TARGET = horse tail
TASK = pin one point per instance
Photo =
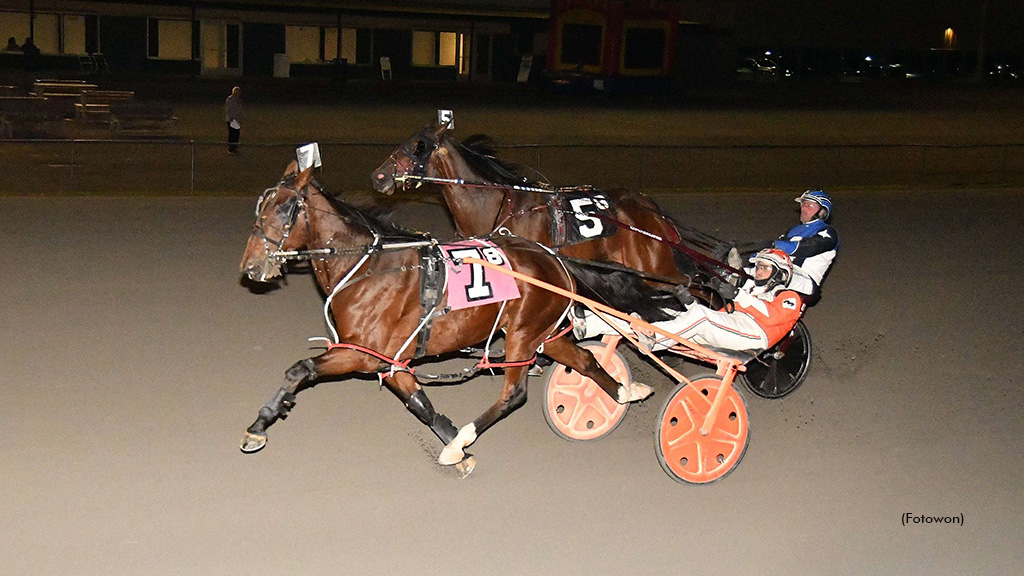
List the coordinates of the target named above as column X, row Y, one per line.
column 623, row 291
column 716, row 248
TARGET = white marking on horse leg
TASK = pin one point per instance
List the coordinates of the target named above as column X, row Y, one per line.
column 635, row 391
column 453, row 453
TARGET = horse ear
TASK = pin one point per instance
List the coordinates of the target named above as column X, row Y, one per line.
column 303, row 178
column 293, row 168
column 436, row 127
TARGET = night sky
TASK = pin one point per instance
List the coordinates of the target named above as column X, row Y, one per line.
column 879, row 24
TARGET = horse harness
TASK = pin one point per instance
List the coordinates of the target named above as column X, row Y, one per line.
column 432, row 277
column 432, row 289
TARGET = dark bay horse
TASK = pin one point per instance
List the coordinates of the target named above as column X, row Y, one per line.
column 371, row 272
column 478, row 210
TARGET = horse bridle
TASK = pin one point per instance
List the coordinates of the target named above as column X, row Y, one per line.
column 292, row 207
column 419, row 157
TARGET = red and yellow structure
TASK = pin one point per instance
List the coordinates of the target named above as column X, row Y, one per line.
column 618, row 42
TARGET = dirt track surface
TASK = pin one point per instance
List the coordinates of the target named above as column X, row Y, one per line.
column 133, row 360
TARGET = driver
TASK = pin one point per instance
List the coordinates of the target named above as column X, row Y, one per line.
column 812, row 244
column 764, row 311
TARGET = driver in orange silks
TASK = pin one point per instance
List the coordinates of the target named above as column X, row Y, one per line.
column 764, row 311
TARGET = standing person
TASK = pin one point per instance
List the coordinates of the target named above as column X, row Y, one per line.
column 31, row 57
column 29, row 47
column 233, row 117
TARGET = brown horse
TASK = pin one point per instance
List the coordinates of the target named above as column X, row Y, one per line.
column 371, row 272
column 484, row 193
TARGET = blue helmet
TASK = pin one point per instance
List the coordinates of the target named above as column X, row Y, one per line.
column 819, row 197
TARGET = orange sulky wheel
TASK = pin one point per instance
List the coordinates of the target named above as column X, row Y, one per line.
column 575, row 407
column 685, row 454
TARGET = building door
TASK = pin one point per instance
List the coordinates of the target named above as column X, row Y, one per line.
column 222, row 48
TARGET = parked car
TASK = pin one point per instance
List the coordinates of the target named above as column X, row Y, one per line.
column 1004, row 74
column 754, row 69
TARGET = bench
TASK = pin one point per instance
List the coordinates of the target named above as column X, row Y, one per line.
column 67, row 92
column 28, row 111
column 133, row 115
column 61, row 87
column 94, row 105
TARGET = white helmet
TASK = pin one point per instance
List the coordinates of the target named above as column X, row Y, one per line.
column 782, row 267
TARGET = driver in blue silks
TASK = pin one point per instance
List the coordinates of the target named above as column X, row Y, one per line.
column 812, row 245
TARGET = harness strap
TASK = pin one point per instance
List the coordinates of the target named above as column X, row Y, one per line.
column 400, row 365
column 484, row 364
column 396, row 364
column 706, row 262
column 430, row 294
column 556, row 211
column 342, row 284
column 564, row 331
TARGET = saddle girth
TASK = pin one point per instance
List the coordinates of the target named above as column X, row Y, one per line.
column 431, row 291
column 579, row 215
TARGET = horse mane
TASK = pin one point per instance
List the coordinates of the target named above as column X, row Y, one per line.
column 483, row 159
column 623, row 291
column 376, row 218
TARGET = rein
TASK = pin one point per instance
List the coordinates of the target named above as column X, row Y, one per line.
column 706, row 262
column 324, row 253
column 461, row 182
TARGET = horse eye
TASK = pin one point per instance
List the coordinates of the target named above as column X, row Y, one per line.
column 285, row 210
column 421, row 147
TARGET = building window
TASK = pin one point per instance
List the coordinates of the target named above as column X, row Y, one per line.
column 316, row 44
column 447, row 52
column 644, row 48
column 222, row 44
column 73, row 28
column 348, row 46
column 302, row 43
column 949, row 39
column 170, row 39
column 581, row 44
column 47, row 37
column 330, row 44
column 435, row 48
column 423, row 44
column 14, row 25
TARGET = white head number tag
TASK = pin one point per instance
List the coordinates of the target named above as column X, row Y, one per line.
column 308, row 155
column 446, row 118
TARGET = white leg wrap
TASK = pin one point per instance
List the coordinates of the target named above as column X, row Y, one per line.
column 453, row 453
column 634, row 392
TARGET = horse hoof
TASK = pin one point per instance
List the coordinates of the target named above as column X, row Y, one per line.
column 450, row 456
column 634, row 392
column 253, row 442
column 466, row 467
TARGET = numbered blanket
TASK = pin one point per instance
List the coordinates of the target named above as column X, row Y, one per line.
column 579, row 215
column 472, row 284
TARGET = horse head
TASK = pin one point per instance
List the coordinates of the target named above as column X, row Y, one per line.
column 278, row 227
column 415, row 157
